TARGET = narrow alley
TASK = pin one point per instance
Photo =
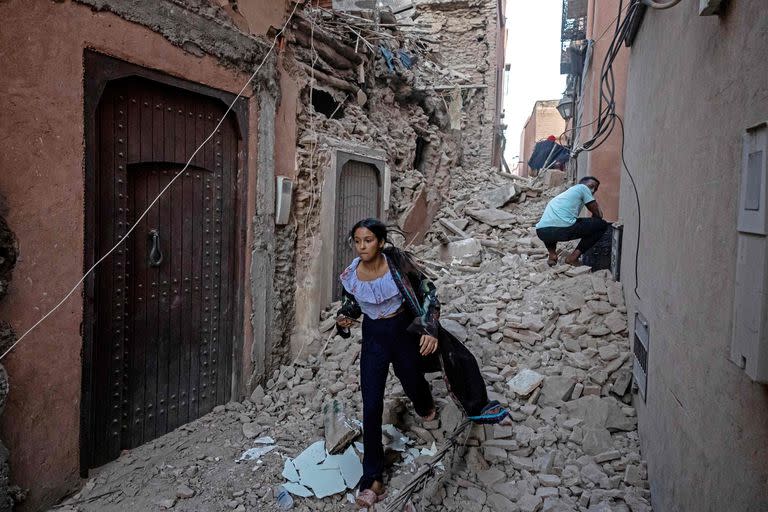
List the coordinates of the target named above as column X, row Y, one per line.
column 242, row 240
column 552, row 344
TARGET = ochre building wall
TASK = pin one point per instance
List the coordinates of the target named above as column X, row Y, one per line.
column 42, row 164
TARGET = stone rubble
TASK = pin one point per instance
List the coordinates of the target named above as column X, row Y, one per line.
column 552, row 345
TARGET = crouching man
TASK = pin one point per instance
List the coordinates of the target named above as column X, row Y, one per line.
column 561, row 222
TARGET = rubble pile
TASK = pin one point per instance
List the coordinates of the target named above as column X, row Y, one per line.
column 552, row 345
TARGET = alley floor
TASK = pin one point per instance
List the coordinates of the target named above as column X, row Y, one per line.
column 551, row 342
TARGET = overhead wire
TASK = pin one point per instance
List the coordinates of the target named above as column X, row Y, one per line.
column 162, row 192
column 607, row 116
column 637, row 200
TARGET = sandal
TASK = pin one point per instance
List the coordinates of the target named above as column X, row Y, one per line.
column 491, row 413
column 368, row 498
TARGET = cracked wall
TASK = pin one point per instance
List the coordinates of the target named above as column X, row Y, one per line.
column 385, row 113
column 469, row 38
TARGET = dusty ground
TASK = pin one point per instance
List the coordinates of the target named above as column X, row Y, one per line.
column 573, row 444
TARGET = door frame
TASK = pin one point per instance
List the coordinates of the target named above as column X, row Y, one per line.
column 100, row 70
column 341, row 153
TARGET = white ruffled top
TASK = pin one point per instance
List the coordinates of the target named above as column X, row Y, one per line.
column 378, row 298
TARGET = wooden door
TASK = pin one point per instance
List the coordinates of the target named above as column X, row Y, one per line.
column 359, row 198
column 164, row 301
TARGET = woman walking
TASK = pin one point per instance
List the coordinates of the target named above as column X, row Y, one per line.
column 401, row 327
column 370, row 288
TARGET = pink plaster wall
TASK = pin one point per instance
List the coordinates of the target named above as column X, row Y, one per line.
column 41, row 165
column 605, row 161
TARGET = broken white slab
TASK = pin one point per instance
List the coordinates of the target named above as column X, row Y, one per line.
column 264, row 440
column 324, row 481
column 314, row 454
column 350, row 466
column 396, row 440
column 324, row 474
column 289, row 471
column 525, row 382
column 256, row 453
column 492, row 216
column 463, row 252
column 297, row 489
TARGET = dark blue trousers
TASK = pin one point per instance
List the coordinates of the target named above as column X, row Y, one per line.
column 588, row 229
column 387, row 341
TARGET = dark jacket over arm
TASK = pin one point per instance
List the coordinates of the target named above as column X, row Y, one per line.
column 459, row 367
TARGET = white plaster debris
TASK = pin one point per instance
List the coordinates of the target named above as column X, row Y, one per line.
column 525, row 382
column 256, row 453
column 325, row 475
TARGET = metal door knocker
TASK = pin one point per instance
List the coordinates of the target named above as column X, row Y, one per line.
column 155, row 254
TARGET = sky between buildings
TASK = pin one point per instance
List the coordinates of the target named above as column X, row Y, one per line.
column 533, row 52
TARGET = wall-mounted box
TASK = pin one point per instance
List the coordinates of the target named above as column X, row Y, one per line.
column 711, row 7
column 749, row 338
column 283, row 200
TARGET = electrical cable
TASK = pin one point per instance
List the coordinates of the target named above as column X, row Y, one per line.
column 157, row 198
column 637, row 200
column 657, row 5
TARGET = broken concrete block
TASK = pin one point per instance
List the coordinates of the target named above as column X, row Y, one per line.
column 455, row 328
column 528, row 337
column 491, row 476
column 609, row 352
column 454, row 228
column 184, row 492
column 549, row 480
column 596, row 440
column 257, row 397
column 571, row 302
column 615, row 294
column 492, row 217
column 499, row 503
column 556, row 390
column 578, row 271
column 600, row 307
column 498, row 197
column 525, row 382
column 616, row 322
column 467, row 252
column 339, row 431
column 251, row 430
column 607, row 456
column 554, row 178
column 632, row 476
column 592, row 473
column 621, row 384
column 578, row 389
column 529, row 503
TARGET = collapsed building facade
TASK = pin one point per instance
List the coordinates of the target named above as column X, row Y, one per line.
column 353, row 113
column 391, row 109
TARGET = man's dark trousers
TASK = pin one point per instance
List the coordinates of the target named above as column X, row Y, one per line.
column 589, row 229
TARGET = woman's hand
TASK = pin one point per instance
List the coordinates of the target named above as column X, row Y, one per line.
column 343, row 322
column 427, row 345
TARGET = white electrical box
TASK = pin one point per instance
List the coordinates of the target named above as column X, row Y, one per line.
column 283, row 200
column 749, row 339
column 711, row 7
